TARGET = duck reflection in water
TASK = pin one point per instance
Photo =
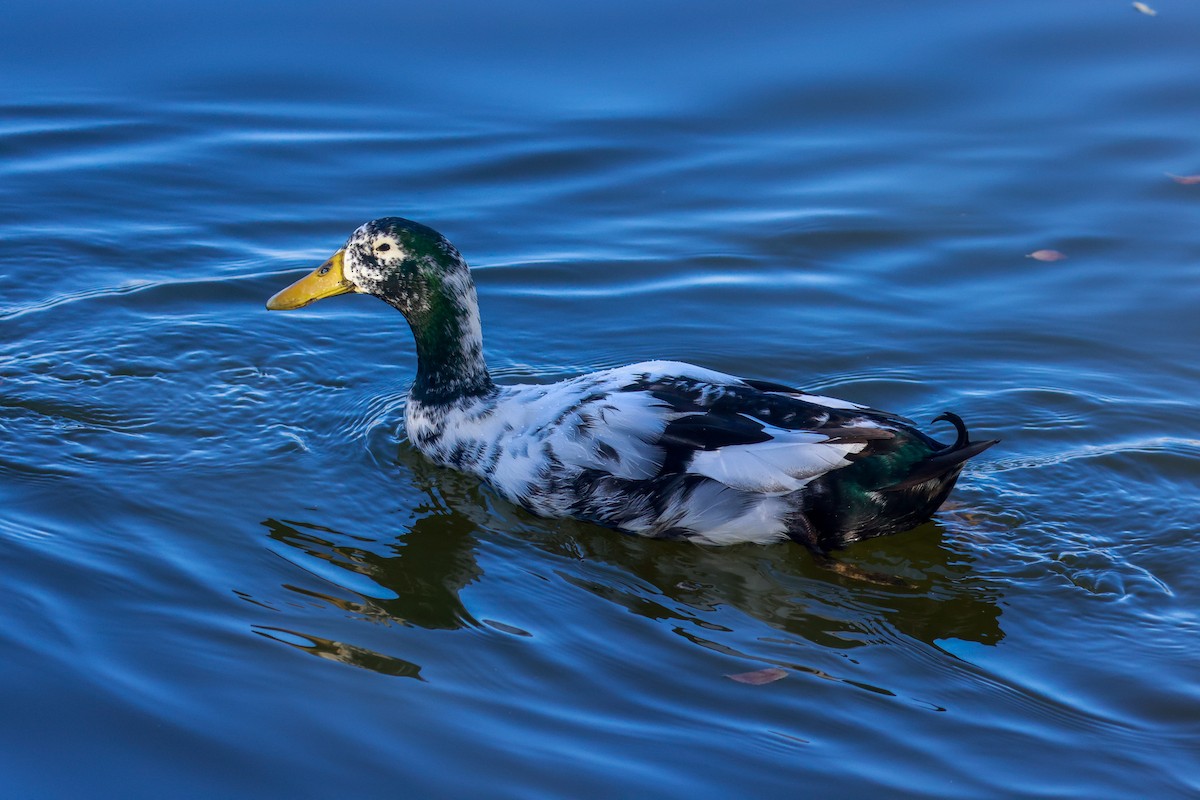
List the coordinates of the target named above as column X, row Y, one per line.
column 417, row 577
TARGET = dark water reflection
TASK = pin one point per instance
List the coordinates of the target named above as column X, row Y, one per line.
column 911, row 587
column 416, row 582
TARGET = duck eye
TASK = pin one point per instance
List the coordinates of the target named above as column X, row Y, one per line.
column 383, row 248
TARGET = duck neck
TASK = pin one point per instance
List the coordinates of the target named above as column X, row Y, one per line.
column 449, row 341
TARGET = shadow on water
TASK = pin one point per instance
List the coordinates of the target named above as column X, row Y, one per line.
column 416, row 580
column 921, row 587
column 918, row 586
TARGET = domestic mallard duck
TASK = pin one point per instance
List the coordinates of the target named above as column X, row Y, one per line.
column 661, row 448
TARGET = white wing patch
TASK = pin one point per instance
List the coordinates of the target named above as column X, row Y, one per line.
column 786, row 463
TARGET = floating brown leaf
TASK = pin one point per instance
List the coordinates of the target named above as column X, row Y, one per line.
column 1047, row 255
column 759, row 676
column 1145, row 9
column 1186, row 180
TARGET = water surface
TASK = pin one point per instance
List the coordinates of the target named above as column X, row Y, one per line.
column 229, row 574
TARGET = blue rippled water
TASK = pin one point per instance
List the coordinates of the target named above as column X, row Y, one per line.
column 228, row 574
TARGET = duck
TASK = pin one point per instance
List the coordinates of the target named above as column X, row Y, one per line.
column 660, row 449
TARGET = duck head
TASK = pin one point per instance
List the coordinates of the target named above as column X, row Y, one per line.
column 417, row 271
column 404, row 263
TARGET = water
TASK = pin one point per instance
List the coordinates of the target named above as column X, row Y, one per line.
column 229, row 575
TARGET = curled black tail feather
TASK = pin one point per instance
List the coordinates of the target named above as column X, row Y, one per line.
column 959, row 426
column 946, row 461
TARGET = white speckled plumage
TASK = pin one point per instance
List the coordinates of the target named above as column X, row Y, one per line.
column 550, row 447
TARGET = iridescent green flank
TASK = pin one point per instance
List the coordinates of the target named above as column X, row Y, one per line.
column 846, row 504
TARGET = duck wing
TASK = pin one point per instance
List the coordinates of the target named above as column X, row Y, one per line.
column 760, row 437
column 658, row 419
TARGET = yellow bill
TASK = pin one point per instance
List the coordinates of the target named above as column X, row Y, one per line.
column 324, row 281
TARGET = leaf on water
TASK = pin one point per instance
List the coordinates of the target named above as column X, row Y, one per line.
column 1186, row 180
column 1145, row 9
column 759, row 676
column 1047, row 255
